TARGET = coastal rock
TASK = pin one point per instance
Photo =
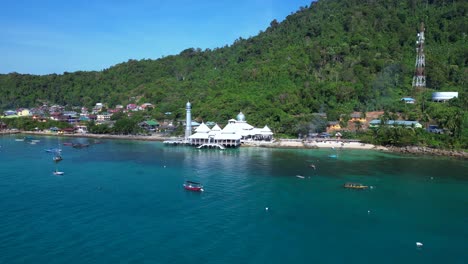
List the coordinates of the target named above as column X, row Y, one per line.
column 429, row 151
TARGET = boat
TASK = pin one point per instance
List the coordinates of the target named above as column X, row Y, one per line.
column 193, row 186
column 352, row 185
column 57, row 158
column 56, row 172
column 300, row 176
column 53, row 150
column 68, row 144
column 333, row 156
column 80, row 145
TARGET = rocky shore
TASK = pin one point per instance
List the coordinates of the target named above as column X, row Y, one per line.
column 415, row 150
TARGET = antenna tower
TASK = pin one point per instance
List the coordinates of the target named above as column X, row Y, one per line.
column 419, row 78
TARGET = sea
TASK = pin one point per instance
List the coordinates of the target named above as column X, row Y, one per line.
column 123, row 201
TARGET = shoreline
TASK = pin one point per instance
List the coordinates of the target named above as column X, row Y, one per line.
column 280, row 143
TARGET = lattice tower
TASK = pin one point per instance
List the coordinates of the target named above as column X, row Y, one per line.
column 419, row 78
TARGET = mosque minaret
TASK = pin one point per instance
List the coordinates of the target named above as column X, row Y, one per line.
column 188, row 126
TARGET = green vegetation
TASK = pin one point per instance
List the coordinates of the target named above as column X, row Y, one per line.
column 333, row 57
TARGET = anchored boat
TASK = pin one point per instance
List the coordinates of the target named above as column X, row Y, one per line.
column 193, row 186
column 352, row 185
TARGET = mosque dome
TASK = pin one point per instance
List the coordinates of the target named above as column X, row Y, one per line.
column 240, row 117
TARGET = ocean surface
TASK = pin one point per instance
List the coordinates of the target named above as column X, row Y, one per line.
column 123, row 202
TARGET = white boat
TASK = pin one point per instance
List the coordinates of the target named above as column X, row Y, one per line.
column 58, row 172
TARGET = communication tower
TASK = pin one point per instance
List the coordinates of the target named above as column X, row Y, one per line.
column 419, row 78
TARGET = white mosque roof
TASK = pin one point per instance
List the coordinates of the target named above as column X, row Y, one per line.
column 199, row 136
column 202, row 128
column 266, row 131
column 216, row 128
column 240, row 117
column 229, row 129
column 227, row 137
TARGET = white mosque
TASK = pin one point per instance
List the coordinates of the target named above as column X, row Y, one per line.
column 232, row 135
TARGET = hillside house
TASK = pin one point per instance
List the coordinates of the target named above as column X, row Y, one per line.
column 393, row 123
column 408, row 100
column 333, row 126
column 23, row 112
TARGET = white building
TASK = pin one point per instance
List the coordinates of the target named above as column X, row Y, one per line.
column 235, row 132
column 443, row 96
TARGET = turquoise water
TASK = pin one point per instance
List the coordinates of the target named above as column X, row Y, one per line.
column 123, row 202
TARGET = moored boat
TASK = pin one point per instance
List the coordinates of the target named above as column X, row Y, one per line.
column 58, row 172
column 80, row 145
column 193, row 186
column 352, row 185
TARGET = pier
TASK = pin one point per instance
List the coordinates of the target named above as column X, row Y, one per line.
column 211, row 145
column 176, row 142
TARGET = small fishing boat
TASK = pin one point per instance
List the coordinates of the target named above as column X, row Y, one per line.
column 333, row 156
column 67, row 143
column 57, row 158
column 56, row 172
column 300, row 176
column 352, row 185
column 80, row 145
column 193, row 186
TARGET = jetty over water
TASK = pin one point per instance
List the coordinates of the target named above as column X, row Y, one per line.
column 211, row 145
column 176, row 142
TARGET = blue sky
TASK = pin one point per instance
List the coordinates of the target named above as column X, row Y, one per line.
column 54, row 36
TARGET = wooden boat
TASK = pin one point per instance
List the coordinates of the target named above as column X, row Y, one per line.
column 193, row 186
column 79, row 145
column 352, row 185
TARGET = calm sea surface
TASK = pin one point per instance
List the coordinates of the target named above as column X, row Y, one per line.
column 123, row 202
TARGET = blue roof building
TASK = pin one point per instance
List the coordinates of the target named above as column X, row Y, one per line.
column 408, row 100
column 376, row 123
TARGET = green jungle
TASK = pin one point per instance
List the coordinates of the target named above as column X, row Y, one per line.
column 333, row 57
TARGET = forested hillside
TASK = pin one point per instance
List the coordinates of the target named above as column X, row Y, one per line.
column 334, row 56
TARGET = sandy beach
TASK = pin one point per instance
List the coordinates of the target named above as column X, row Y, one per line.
column 322, row 143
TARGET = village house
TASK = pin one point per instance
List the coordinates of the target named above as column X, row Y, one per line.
column 23, row 112
column 408, row 100
column 132, row 107
column 149, row 125
column 146, row 106
column 333, row 126
column 103, row 117
column 394, row 123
